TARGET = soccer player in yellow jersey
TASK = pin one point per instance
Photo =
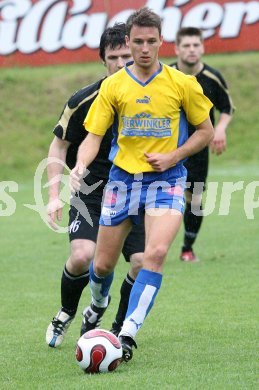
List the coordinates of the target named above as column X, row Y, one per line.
column 149, row 104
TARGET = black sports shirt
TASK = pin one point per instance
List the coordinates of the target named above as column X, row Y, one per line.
column 215, row 88
column 70, row 128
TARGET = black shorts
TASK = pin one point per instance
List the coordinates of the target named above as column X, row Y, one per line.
column 197, row 171
column 85, row 226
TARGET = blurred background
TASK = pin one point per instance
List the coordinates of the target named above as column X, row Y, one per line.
column 49, row 49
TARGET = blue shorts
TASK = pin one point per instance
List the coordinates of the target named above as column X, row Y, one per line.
column 129, row 196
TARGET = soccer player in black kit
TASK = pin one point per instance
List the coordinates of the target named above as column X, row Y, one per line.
column 189, row 50
column 69, row 133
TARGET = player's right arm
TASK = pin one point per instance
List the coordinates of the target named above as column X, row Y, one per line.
column 87, row 152
column 99, row 118
column 57, row 151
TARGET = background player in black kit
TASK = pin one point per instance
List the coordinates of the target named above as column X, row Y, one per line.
column 69, row 133
column 189, row 49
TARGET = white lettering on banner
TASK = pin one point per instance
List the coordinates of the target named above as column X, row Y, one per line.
column 206, row 16
column 41, row 13
column 51, row 25
column 235, row 13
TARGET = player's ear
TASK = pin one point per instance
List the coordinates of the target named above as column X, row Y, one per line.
column 127, row 40
column 161, row 40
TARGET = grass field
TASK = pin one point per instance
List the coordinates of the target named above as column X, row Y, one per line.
column 32, row 99
column 203, row 330
column 201, row 334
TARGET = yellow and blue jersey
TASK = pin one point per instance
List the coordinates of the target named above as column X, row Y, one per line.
column 147, row 117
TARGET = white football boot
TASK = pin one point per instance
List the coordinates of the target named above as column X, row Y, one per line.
column 57, row 329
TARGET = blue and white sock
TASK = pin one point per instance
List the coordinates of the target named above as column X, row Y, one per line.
column 100, row 287
column 141, row 300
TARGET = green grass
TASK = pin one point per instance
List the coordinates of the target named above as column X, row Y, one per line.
column 201, row 333
column 32, row 99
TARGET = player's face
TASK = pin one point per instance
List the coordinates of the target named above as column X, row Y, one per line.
column 144, row 43
column 115, row 59
column 190, row 50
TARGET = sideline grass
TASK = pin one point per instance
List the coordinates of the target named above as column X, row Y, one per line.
column 201, row 333
column 32, row 99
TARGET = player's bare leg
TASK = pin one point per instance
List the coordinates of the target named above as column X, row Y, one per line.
column 160, row 233
column 108, row 248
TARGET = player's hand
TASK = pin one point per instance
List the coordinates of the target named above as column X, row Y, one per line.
column 76, row 175
column 219, row 142
column 54, row 212
column 158, row 161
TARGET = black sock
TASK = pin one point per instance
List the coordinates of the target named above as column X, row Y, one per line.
column 71, row 290
column 192, row 224
column 124, row 301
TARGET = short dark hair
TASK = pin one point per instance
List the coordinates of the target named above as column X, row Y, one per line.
column 188, row 31
column 112, row 37
column 143, row 17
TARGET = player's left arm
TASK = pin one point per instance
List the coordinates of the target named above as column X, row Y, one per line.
column 219, row 142
column 224, row 105
column 196, row 106
column 198, row 140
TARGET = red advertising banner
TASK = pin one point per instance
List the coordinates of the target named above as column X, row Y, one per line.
column 43, row 32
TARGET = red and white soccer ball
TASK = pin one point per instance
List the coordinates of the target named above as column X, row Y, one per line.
column 98, row 351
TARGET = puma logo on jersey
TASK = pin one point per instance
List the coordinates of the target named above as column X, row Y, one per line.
column 146, row 100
